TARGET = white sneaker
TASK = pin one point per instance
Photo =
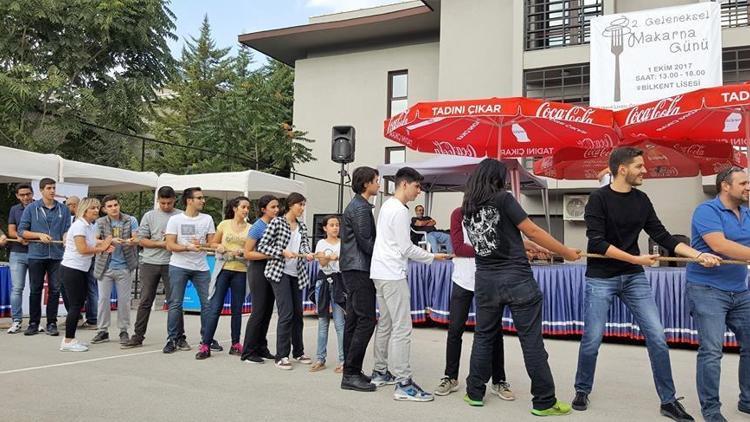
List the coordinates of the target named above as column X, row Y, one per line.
column 284, row 364
column 73, row 346
column 15, row 327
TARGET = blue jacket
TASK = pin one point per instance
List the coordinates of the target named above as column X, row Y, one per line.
column 54, row 222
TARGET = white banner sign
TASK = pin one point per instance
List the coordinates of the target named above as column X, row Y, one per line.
column 644, row 56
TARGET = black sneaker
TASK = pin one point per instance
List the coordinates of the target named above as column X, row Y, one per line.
column 676, row 411
column 364, row 377
column 266, row 354
column 124, row 337
column 182, row 344
column 100, row 337
column 134, row 341
column 32, row 330
column 254, row 359
column 581, row 402
column 356, row 383
column 203, row 352
column 170, row 347
column 52, row 329
column 216, row 347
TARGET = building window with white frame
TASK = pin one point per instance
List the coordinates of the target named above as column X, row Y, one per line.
column 567, row 84
column 393, row 155
column 398, row 92
column 735, row 64
column 557, row 23
column 734, row 13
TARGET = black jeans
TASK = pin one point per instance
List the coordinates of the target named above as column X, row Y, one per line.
column 38, row 269
column 459, row 313
column 493, row 291
column 262, row 298
column 360, row 318
column 76, row 287
column 149, row 276
column 289, row 325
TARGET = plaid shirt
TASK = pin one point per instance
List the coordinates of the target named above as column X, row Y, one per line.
column 274, row 241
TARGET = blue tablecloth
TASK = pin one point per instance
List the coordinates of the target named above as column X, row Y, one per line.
column 5, row 289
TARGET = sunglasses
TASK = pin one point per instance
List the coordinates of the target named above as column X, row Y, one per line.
column 725, row 175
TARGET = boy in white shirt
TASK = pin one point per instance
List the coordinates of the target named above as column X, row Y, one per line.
column 390, row 257
column 186, row 233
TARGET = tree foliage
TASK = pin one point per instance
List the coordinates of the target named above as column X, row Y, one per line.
column 217, row 103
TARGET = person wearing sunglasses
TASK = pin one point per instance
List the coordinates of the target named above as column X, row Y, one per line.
column 718, row 297
column 186, row 233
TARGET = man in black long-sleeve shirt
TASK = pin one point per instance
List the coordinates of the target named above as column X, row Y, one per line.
column 615, row 216
column 357, row 242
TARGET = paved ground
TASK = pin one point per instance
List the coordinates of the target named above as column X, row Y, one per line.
column 40, row 383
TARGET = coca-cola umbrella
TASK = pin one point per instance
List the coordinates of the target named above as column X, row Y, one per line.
column 719, row 114
column 501, row 127
column 662, row 160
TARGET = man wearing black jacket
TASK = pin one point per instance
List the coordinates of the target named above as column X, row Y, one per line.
column 357, row 242
column 615, row 216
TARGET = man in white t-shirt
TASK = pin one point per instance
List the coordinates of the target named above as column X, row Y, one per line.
column 186, row 233
column 393, row 249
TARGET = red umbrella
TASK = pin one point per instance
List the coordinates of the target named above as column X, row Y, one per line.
column 501, row 127
column 719, row 114
column 661, row 160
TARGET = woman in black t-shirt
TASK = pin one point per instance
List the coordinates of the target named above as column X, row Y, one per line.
column 494, row 222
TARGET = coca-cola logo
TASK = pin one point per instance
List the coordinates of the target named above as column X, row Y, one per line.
column 665, row 171
column 573, row 114
column 596, row 153
column 695, row 150
column 446, row 148
column 664, row 108
column 605, row 142
column 398, row 121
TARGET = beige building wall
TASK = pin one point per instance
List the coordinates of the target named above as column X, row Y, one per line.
column 350, row 88
column 480, row 53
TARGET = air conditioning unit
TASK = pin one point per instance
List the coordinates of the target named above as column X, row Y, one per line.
column 574, row 207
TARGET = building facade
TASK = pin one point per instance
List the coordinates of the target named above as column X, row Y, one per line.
column 358, row 68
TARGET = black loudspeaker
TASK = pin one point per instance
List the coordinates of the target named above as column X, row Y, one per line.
column 342, row 144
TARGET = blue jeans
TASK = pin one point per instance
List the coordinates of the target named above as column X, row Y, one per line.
column 178, row 278
column 435, row 239
column 714, row 310
column 18, row 269
column 236, row 281
column 635, row 291
column 324, row 322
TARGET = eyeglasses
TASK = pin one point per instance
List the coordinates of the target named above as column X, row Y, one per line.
column 199, row 198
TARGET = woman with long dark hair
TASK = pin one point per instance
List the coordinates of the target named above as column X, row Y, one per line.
column 229, row 242
column 494, row 222
column 255, row 347
column 285, row 242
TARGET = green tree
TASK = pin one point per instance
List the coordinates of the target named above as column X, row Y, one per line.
column 217, row 103
column 64, row 62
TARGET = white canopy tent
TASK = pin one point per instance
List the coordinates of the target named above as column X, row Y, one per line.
column 448, row 173
column 103, row 179
column 250, row 183
column 17, row 165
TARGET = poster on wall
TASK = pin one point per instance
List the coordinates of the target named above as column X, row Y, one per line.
column 651, row 54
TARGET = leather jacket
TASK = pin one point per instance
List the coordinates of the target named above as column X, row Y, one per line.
column 357, row 236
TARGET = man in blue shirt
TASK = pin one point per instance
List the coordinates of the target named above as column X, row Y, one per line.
column 718, row 297
column 115, row 268
column 46, row 221
column 18, row 255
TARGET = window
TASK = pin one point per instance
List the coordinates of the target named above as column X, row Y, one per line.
column 736, row 65
column 734, row 13
column 398, row 92
column 568, row 84
column 393, row 155
column 556, row 23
